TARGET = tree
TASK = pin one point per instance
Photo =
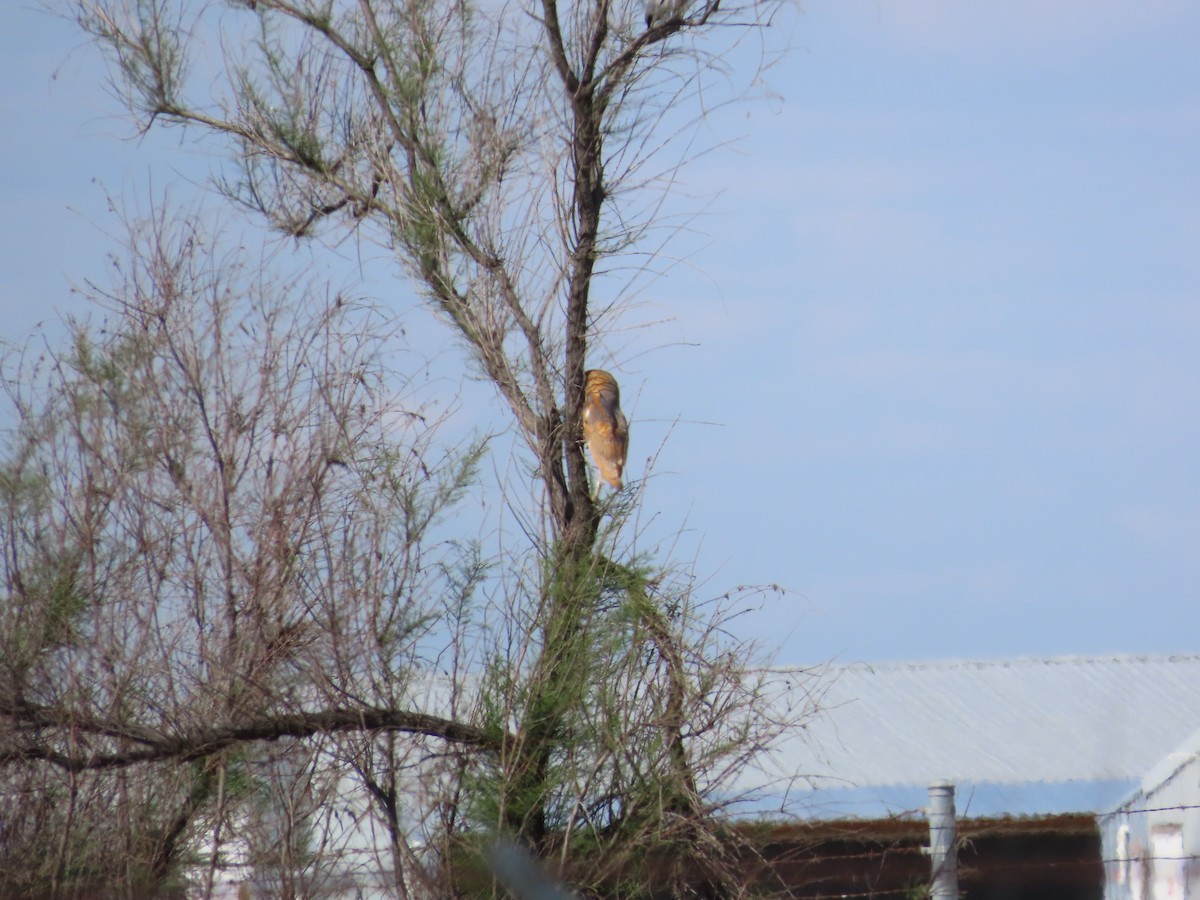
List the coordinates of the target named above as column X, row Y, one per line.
column 216, row 531
column 283, row 526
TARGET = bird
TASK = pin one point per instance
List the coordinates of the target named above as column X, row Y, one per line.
column 659, row 11
column 604, row 427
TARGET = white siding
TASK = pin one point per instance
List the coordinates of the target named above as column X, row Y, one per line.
column 1151, row 842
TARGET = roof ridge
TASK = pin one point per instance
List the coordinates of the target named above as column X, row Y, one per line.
column 997, row 663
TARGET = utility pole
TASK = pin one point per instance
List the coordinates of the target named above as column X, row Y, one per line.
column 943, row 833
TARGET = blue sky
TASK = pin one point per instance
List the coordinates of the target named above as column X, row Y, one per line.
column 942, row 324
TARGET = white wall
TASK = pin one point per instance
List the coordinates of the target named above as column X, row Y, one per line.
column 1151, row 841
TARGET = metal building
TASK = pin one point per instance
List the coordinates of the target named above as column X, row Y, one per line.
column 1016, row 737
column 1151, row 840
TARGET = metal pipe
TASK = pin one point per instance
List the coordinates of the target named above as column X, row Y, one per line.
column 943, row 832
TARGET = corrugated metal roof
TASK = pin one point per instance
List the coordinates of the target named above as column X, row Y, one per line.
column 1002, row 722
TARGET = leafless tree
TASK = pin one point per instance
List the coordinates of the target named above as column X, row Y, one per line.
column 216, row 531
column 222, row 526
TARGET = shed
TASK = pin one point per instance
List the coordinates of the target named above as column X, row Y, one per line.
column 1151, row 840
column 1027, row 736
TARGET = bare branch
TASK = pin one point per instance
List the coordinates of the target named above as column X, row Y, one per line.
column 200, row 743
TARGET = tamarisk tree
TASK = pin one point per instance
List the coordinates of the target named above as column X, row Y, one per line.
column 501, row 152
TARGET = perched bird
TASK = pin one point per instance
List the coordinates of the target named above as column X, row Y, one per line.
column 659, row 11
column 604, row 427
